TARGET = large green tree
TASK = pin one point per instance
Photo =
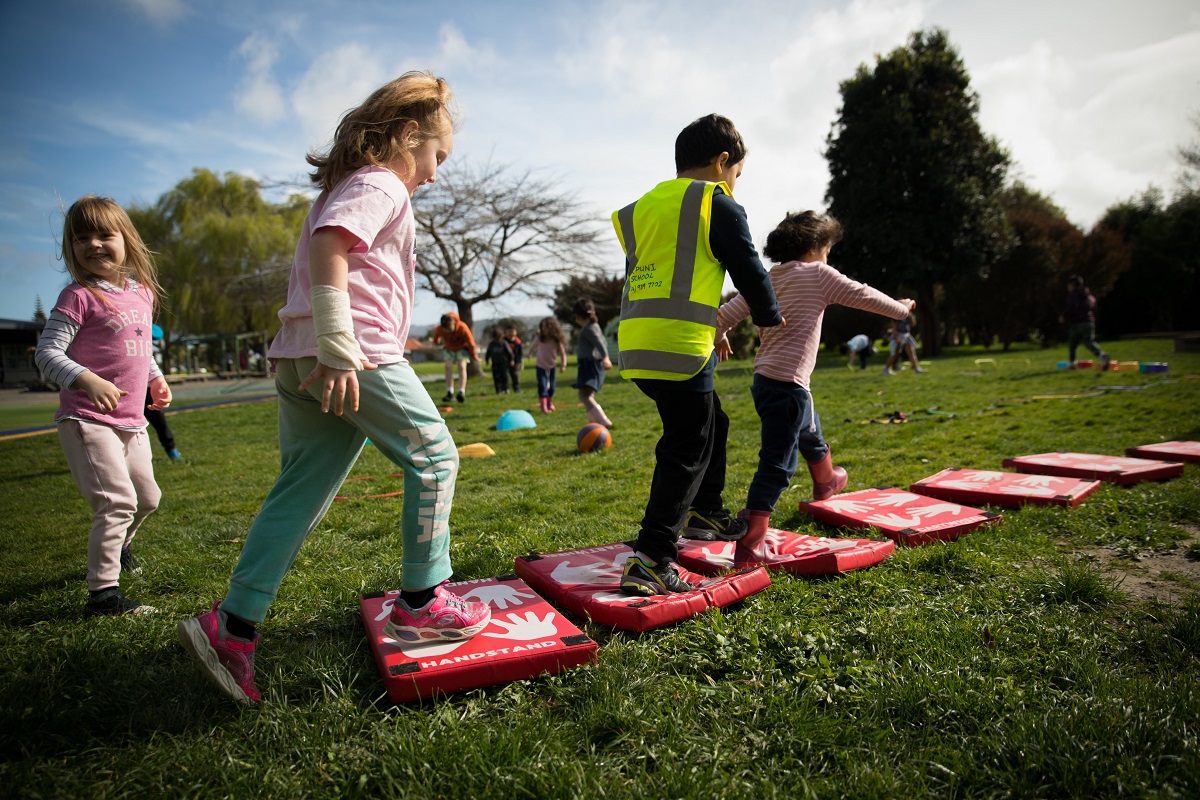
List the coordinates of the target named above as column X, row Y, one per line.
column 1160, row 291
column 914, row 179
column 223, row 252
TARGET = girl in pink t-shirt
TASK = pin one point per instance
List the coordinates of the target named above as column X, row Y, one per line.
column 97, row 346
column 804, row 286
column 549, row 348
column 341, row 349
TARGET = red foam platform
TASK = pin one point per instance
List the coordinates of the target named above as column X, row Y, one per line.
column 1168, row 451
column 1114, row 469
column 526, row 637
column 791, row 552
column 1010, row 489
column 906, row 518
column 587, row 582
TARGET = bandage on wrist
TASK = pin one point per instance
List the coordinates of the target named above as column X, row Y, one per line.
column 334, row 325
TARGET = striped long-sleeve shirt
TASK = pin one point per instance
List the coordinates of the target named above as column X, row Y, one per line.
column 804, row 290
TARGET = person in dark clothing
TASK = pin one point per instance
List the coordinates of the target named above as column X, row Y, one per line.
column 518, row 356
column 158, row 421
column 500, row 356
column 680, row 240
column 1081, row 321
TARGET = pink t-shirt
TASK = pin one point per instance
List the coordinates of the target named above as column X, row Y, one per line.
column 115, row 341
column 548, row 353
column 803, row 289
column 372, row 204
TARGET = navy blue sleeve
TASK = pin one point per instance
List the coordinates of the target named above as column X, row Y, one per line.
column 729, row 237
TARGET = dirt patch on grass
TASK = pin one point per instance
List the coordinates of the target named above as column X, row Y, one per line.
column 1166, row 576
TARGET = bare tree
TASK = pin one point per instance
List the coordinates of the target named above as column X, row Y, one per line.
column 490, row 231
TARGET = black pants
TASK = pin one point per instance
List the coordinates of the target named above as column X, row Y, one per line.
column 158, row 421
column 514, row 375
column 689, row 465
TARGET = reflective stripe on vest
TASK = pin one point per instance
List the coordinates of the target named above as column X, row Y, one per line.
column 669, row 337
column 677, row 306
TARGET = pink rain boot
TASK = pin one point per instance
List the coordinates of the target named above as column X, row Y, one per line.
column 545, row 404
column 751, row 549
column 827, row 479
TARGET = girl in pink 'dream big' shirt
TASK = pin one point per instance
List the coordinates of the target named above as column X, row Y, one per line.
column 98, row 346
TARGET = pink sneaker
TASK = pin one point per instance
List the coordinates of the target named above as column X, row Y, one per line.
column 225, row 660
column 445, row 618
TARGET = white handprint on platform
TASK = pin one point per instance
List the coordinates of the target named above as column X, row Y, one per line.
column 893, row 499
column 894, row 520
column 936, row 510
column 416, row 650
column 500, row 595
column 847, row 506
column 967, row 485
column 386, row 609
column 1038, row 480
column 618, row 597
column 525, row 629
column 984, row 475
column 566, row 574
column 1028, row 491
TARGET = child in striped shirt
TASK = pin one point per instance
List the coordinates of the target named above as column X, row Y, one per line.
column 804, row 286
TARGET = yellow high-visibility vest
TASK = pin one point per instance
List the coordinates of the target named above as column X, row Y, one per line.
column 672, row 281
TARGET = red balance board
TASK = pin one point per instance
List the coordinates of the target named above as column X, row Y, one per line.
column 791, row 552
column 1115, row 469
column 906, row 518
column 587, row 582
column 1010, row 489
column 1168, row 451
column 525, row 638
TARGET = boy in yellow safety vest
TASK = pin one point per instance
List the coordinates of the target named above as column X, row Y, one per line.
column 680, row 240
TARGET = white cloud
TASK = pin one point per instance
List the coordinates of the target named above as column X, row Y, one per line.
column 260, row 96
column 454, row 51
column 161, row 12
column 337, row 81
column 1091, row 131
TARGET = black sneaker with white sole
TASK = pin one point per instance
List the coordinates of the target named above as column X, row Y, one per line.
column 717, row 526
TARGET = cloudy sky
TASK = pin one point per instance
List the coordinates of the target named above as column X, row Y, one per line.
column 125, row 97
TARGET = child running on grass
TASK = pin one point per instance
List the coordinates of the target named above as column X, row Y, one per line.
column 591, row 359
column 97, row 346
column 804, row 285
column 500, row 355
column 341, row 348
column 458, row 350
column 549, row 348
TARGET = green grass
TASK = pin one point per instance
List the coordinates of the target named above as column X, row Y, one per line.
column 999, row 665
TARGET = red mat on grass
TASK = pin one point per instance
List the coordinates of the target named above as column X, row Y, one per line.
column 1010, row 489
column 1114, row 469
column 587, row 582
column 526, row 637
column 906, row 518
column 791, row 552
column 1168, row 451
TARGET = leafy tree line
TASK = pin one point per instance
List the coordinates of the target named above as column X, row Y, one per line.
column 930, row 213
column 922, row 190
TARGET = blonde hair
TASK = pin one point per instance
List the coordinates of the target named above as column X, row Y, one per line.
column 91, row 213
column 371, row 134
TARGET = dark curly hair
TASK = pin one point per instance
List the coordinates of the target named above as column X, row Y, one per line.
column 801, row 233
